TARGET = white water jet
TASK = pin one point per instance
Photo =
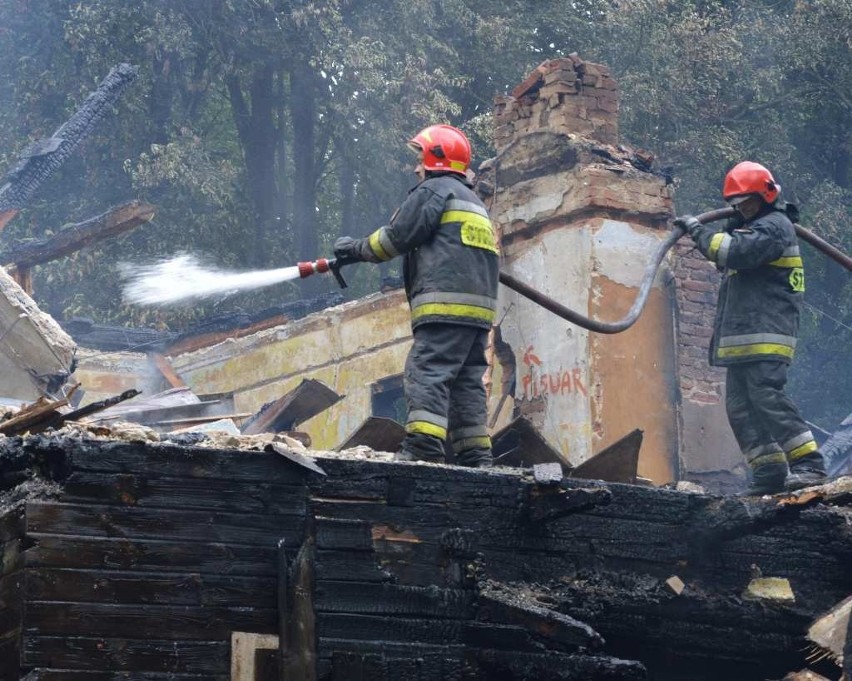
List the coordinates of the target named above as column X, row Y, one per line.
column 184, row 277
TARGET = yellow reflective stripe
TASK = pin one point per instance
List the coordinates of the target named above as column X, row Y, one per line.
column 715, row 243
column 453, row 310
column 476, row 229
column 755, row 349
column 457, row 165
column 765, row 459
column 376, row 246
column 791, row 261
column 483, row 442
column 426, row 428
column 802, row 450
column 465, row 216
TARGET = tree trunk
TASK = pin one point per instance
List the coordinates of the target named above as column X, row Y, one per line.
column 257, row 133
column 303, row 115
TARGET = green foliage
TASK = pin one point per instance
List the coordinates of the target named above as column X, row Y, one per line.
column 264, row 129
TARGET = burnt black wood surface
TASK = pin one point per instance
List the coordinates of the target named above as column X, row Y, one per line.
column 151, row 555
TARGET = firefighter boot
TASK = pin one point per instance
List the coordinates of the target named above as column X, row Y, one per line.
column 806, row 472
column 475, row 458
column 421, row 447
column 767, row 479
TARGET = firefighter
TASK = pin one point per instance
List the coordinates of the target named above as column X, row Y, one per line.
column 450, row 269
column 756, row 325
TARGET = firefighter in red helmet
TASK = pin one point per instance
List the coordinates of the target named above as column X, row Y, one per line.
column 756, row 326
column 450, row 269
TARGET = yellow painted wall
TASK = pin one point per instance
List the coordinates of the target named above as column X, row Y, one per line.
column 349, row 348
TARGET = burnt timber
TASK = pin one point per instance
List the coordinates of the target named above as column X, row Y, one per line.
column 131, row 560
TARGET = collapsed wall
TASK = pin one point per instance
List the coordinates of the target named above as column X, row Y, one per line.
column 579, row 215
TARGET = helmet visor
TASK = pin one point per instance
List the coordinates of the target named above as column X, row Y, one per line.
column 735, row 201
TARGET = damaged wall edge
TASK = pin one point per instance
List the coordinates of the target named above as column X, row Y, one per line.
column 133, row 558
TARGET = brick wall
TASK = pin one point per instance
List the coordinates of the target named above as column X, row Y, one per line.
column 561, row 95
column 697, row 286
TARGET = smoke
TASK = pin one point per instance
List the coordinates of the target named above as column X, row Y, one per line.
column 183, row 277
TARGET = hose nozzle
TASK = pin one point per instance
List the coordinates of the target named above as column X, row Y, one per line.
column 323, row 265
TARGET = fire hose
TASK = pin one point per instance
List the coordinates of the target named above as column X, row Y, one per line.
column 333, row 265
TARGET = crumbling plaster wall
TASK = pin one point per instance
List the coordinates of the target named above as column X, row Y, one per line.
column 348, row 347
column 579, row 218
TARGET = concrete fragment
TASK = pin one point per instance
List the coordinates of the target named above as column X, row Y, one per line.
column 36, row 355
column 675, row 585
column 829, row 631
column 769, row 589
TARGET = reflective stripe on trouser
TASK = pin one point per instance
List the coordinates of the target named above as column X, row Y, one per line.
column 443, row 387
column 764, row 419
column 474, row 437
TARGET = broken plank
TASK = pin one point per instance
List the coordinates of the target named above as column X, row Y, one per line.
column 379, row 433
column 167, row 370
column 71, row 238
column 519, row 444
column 510, row 605
column 308, row 399
column 616, row 463
column 126, row 654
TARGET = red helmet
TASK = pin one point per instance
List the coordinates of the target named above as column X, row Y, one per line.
column 750, row 178
column 443, row 148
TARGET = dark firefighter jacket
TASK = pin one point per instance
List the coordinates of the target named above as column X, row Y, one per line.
column 757, row 315
column 451, row 263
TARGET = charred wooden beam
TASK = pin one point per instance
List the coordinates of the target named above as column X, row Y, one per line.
column 299, row 661
column 514, row 605
column 73, row 237
column 37, row 416
column 545, row 503
column 41, row 158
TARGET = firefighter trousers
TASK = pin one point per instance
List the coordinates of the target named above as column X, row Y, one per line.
column 445, row 394
column 767, row 425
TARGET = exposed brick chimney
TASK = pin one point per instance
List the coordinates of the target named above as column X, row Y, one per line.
column 561, row 95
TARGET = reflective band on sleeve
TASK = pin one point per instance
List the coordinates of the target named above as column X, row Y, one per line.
column 381, row 244
column 720, row 243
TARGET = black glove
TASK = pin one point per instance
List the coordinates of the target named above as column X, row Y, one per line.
column 689, row 223
column 346, row 249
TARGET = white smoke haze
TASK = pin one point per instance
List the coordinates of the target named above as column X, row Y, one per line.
column 184, row 277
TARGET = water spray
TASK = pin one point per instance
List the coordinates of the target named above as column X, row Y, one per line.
column 184, row 278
